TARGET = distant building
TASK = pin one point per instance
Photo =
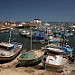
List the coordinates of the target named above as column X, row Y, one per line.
column 37, row 21
column 46, row 24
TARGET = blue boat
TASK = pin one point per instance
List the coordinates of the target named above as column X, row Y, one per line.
column 42, row 31
column 55, row 40
column 38, row 36
column 35, row 35
column 68, row 34
column 67, row 48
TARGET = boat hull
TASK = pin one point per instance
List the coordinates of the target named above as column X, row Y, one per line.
column 23, row 35
column 12, row 56
column 31, row 61
column 53, row 67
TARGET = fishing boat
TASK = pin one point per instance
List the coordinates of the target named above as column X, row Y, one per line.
column 30, row 57
column 53, row 39
column 52, row 45
column 68, row 34
column 67, row 49
column 25, row 33
column 19, row 26
column 9, row 50
column 38, row 36
column 35, row 35
column 54, row 60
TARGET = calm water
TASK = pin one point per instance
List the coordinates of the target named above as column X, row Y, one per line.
column 16, row 37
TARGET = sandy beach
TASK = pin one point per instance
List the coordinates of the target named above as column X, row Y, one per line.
column 35, row 70
column 32, row 70
column 13, row 68
column 25, row 71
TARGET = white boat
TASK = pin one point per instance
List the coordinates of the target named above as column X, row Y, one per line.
column 9, row 50
column 25, row 33
column 54, row 60
column 54, row 63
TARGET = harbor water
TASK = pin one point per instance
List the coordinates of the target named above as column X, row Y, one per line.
column 16, row 37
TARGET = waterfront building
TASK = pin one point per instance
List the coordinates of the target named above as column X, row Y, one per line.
column 37, row 20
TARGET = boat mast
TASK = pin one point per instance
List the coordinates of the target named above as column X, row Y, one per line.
column 31, row 36
column 10, row 36
column 48, row 37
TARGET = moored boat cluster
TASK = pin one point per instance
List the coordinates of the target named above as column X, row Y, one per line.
column 54, row 55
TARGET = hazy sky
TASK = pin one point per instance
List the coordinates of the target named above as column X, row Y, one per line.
column 47, row 10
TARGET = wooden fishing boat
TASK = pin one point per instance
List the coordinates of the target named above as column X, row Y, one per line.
column 31, row 57
column 54, row 50
column 54, row 60
column 54, row 65
column 25, row 33
column 52, row 45
column 8, row 51
column 68, row 34
column 53, row 39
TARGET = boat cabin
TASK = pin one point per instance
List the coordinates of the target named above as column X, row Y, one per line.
column 54, row 56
